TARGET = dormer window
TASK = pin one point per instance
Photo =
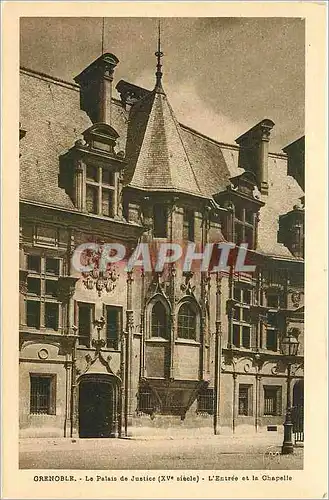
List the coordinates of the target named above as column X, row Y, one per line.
column 244, row 226
column 242, row 201
column 291, row 231
column 99, row 194
column 90, row 171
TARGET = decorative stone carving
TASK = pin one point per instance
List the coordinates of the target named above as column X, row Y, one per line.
column 101, row 280
column 296, row 298
column 23, row 281
column 66, row 287
column 98, row 344
column 186, row 287
column 295, row 332
column 247, row 367
column 43, row 354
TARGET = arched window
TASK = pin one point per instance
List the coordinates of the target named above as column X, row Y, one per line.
column 159, row 321
column 187, row 322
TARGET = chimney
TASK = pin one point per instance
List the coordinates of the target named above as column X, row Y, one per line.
column 96, row 88
column 253, row 155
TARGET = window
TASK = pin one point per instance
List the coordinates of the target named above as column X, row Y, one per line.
column 187, row 322
column 33, row 314
column 108, row 177
column 85, row 323
column 159, row 321
column 188, row 225
column 33, row 263
column 51, row 315
column 245, row 399
column 107, row 203
column 52, row 266
column 206, row 401
column 92, row 199
column 113, row 326
column 146, row 401
column 244, row 225
column 42, row 307
column 272, row 400
column 241, row 317
column 273, row 300
column 34, row 286
column 159, row 221
column 100, row 190
column 42, row 395
column 92, row 173
column 272, row 332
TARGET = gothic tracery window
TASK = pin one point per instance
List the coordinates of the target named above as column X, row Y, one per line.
column 159, row 321
column 187, row 322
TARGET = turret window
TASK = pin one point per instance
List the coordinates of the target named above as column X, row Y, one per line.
column 160, row 221
column 188, row 225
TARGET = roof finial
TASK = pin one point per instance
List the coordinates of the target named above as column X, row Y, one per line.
column 159, row 54
column 103, row 33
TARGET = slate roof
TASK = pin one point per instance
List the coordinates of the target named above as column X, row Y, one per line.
column 50, row 113
column 162, row 163
column 161, row 153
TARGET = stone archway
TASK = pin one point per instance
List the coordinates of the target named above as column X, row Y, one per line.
column 98, row 406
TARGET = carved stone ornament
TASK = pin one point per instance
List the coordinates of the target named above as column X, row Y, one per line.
column 186, row 287
column 66, row 287
column 296, row 298
column 23, row 281
column 101, row 280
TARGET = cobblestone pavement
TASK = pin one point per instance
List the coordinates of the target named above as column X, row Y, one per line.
column 211, row 453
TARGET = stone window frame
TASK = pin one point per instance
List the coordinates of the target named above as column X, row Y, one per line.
column 91, row 307
column 243, row 223
column 160, row 221
column 192, row 307
column 248, row 397
column 188, row 224
column 241, row 309
column 111, row 342
column 99, row 186
column 40, row 295
column 149, row 309
column 276, row 390
column 51, row 403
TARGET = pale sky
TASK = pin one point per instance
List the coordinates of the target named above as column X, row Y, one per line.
column 221, row 75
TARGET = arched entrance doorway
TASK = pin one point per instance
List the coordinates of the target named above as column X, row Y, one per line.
column 98, row 402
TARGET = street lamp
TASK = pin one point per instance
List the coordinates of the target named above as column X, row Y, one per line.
column 289, row 347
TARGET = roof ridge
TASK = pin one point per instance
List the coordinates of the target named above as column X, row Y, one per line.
column 49, row 77
column 182, row 142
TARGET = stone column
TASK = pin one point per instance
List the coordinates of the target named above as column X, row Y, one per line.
column 218, row 351
column 128, row 357
column 79, row 186
column 234, row 402
column 22, row 294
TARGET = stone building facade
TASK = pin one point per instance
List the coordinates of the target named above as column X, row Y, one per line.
column 117, row 352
